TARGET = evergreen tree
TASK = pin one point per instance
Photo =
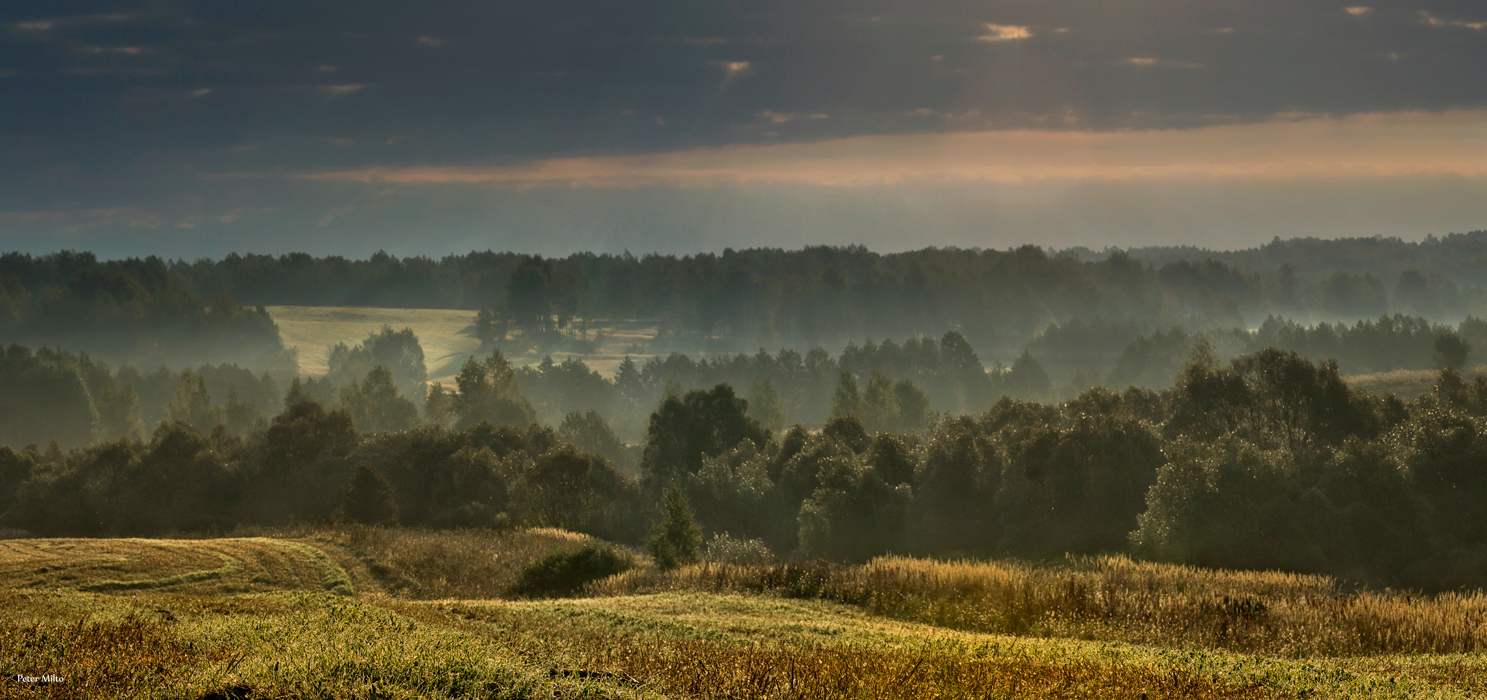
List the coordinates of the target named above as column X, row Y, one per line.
column 376, row 406
column 764, row 405
column 678, row 540
column 845, row 401
column 879, row 406
column 296, row 394
column 438, row 409
column 192, row 404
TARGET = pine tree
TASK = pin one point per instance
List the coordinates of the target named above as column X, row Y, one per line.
column 678, row 540
column 438, row 409
column 764, row 405
column 846, row 401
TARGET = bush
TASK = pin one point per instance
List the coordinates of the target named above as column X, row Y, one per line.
column 565, row 573
column 726, row 549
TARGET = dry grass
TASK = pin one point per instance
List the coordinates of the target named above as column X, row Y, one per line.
column 235, row 565
column 134, row 657
column 709, row 670
column 446, row 336
column 1114, row 598
column 1405, row 383
column 425, row 564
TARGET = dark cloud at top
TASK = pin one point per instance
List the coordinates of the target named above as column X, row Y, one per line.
column 118, row 104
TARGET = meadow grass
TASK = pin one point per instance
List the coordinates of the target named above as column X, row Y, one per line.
column 896, row 627
column 450, row 563
column 447, row 337
column 1113, row 598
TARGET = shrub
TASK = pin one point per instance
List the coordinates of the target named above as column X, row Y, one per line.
column 726, row 549
column 565, row 573
column 678, row 540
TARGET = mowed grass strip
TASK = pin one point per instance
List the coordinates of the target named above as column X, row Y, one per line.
column 233, row 565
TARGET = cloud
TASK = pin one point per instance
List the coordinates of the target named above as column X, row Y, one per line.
column 33, row 26
column 734, row 67
column 1358, row 10
column 431, row 42
column 1004, row 32
column 1149, row 62
column 340, row 90
column 201, row 92
column 1434, row 21
column 1320, row 148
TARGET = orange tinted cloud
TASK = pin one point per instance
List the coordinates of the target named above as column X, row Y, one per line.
column 1300, row 147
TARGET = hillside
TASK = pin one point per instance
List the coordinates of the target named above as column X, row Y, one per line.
column 310, row 615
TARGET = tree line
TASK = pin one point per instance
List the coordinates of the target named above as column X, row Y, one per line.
column 133, row 310
column 1266, row 461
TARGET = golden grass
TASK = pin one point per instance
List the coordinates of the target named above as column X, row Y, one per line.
column 424, row 564
column 709, row 670
column 1114, row 598
column 233, row 565
column 188, row 640
column 138, row 656
column 446, row 335
column 1405, row 383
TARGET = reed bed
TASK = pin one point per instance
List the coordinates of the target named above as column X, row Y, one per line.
column 1113, row 598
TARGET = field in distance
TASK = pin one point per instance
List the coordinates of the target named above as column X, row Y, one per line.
column 446, row 335
column 389, row 613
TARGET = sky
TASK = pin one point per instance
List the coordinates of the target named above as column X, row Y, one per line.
column 190, row 129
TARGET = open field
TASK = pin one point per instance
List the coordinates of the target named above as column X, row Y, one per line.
column 358, row 613
column 447, row 336
column 1405, row 383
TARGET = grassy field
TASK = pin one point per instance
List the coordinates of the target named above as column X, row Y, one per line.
column 447, row 336
column 374, row 613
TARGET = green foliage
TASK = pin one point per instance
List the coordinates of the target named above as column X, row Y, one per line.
column 563, row 574
column 677, row 541
column 684, row 431
column 44, row 398
column 589, row 432
column 846, row 400
column 375, row 405
column 192, row 404
column 1449, row 350
column 764, row 405
column 488, row 392
column 438, row 407
column 398, row 351
column 369, row 498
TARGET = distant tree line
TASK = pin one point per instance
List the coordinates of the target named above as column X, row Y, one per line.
column 1266, row 461
column 130, row 311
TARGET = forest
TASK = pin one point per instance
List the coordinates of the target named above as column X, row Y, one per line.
column 1141, row 404
column 1266, row 461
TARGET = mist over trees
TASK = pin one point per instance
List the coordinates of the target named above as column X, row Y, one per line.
column 129, row 311
column 1265, row 461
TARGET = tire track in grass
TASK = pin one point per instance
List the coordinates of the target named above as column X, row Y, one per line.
column 332, row 576
column 230, row 565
